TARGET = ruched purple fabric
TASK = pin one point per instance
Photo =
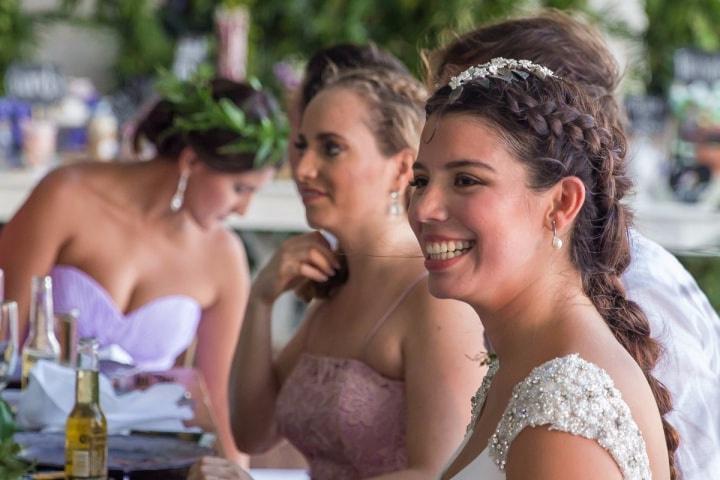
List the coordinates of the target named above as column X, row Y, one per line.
column 153, row 334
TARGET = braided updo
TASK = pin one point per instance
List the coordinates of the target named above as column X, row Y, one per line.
column 394, row 101
column 557, row 130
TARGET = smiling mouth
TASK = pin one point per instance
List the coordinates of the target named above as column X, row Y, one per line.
column 447, row 249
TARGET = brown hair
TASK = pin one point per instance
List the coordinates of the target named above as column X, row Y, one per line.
column 580, row 122
column 569, row 46
column 395, row 104
column 156, row 126
column 557, row 130
column 344, row 56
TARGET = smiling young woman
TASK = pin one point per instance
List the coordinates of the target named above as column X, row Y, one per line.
column 519, row 165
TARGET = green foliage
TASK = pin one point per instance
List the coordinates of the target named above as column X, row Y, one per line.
column 15, row 35
column 673, row 25
column 11, row 467
column 707, row 273
column 144, row 45
column 282, row 30
column 200, row 112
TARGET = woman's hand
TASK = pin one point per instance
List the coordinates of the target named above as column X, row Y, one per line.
column 299, row 259
column 216, row 468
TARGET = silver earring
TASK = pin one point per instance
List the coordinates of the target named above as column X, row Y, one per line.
column 395, row 209
column 557, row 242
column 176, row 202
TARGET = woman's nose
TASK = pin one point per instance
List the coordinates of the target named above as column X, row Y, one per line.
column 428, row 205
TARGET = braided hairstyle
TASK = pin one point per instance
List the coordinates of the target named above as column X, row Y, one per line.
column 557, row 130
column 563, row 43
column 394, row 101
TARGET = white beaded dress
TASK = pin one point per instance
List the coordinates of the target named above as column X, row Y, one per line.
column 567, row 394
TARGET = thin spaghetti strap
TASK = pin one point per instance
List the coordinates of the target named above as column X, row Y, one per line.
column 392, row 308
column 310, row 314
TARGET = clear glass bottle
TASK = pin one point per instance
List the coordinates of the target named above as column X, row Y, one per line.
column 41, row 343
column 86, row 427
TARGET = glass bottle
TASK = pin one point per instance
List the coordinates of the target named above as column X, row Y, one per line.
column 86, row 427
column 41, row 343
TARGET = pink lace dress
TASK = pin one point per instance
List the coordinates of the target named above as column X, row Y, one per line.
column 345, row 417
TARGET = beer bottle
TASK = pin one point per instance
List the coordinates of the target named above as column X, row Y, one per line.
column 41, row 343
column 86, row 427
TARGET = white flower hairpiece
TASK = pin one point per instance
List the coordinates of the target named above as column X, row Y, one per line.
column 500, row 67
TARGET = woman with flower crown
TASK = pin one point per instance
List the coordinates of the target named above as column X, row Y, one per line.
column 140, row 249
column 521, row 165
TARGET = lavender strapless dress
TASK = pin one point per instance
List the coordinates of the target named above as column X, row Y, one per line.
column 153, row 334
column 346, row 418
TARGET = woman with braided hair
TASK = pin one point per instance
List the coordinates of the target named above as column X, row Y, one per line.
column 374, row 382
column 680, row 316
column 517, row 204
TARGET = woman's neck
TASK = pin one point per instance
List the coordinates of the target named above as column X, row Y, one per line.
column 376, row 247
column 534, row 317
column 152, row 185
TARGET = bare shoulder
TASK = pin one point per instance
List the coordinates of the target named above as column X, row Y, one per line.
column 541, row 453
column 63, row 183
column 225, row 255
column 435, row 324
column 426, row 312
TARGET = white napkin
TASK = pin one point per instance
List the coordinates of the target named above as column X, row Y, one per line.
column 50, row 395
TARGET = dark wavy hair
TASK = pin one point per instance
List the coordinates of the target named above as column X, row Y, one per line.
column 572, row 48
column 557, row 129
column 156, row 125
column 582, row 123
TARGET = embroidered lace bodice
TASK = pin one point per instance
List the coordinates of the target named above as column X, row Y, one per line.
column 153, row 334
column 567, row 394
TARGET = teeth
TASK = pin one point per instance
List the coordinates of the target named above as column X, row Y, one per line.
column 447, row 250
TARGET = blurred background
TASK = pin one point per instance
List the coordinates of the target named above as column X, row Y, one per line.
column 74, row 74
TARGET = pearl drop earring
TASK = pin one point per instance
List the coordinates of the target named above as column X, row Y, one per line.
column 557, row 242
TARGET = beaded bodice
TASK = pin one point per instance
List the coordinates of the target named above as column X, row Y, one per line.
column 571, row 395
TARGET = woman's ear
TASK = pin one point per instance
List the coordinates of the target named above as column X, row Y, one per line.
column 188, row 161
column 567, row 198
column 403, row 161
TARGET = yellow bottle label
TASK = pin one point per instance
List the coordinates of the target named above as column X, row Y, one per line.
column 86, row 449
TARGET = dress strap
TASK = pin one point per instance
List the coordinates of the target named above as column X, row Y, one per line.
column 392, row 308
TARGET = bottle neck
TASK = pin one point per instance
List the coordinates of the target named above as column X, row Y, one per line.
column 42, row 325
column 87, row 387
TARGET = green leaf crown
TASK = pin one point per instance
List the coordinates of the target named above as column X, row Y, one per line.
column 198, row 111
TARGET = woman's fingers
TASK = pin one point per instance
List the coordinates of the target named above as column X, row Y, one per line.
column 216, row 468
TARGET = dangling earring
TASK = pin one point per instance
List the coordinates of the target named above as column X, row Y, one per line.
column 176, row 202
column 395, row 209
column 557, row 242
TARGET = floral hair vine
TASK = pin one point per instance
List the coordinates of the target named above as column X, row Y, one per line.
column 200, row 112
column 502, row 68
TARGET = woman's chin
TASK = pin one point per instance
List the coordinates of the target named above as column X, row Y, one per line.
column 440, row 289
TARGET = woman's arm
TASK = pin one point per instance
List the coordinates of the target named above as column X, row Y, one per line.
column 254, row 382
column 31, row 242
column 540, row 453
column 441, row 375
column 219, row 327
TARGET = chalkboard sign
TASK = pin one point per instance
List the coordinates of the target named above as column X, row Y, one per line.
column 35, row 83
column 647, row 114
column 694, row 65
